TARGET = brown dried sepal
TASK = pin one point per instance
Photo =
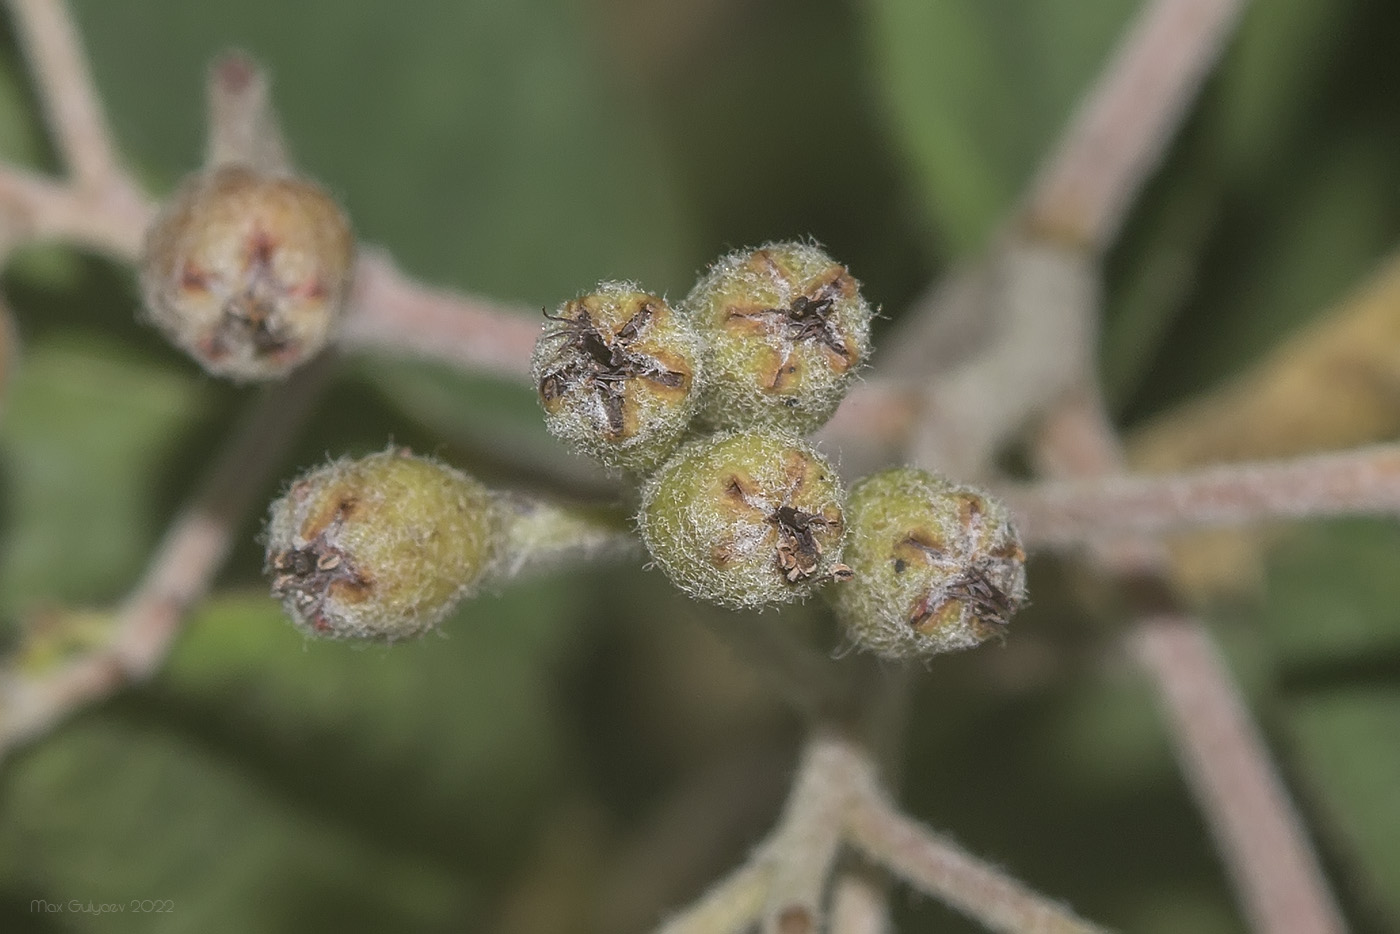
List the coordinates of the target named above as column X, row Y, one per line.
column 747, row 519
column 616, row 372
column 806, row 318
column 308, row 576
column 938, row 567
column 787, row 330
column 379, row 548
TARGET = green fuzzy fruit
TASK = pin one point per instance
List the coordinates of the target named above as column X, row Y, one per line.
column 617, row 372
column 935, row 567
column 746, row 519
column 786, row 330
column 379, row 548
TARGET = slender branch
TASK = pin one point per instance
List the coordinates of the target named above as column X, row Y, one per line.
column 179, row 573
column 1082, row 191
column 860, row 901
column 940, row 868
column 110, row 220
column 804, row 848
column 243, row 127
column 730, row 907
column 1122, row 128
column 1358, row 482
column 392, row 313
column 541, row 536
column 1043, row 295
column 838, row 798
column 66, row 90
column 1227, row 764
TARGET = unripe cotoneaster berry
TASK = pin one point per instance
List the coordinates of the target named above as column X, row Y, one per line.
column 936, row 567
column 745, row 519
column 617, row 371
column 379, row 548
column 786, row 329
column 247, row 272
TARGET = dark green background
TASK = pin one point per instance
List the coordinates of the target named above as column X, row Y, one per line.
column 526, row 150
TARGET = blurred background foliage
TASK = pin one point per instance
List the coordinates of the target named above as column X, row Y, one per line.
column 578, row 754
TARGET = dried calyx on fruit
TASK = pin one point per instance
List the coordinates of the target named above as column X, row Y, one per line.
column 786, row 329
column 617, row 371
column 745, row 519
column 382, row 547
column 247, row 267
column 936, row 567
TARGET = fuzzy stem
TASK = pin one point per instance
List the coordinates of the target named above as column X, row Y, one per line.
column 731, row 906
column 70, row 100
column 940, row 868
column 243, row 127
column 389, row 312
column 1072, row 512
column 804, row 848
column 110, row 220
column 1227, row 765
column 860, row 901
column 541, row 536
column 1122, row 128
column 1042, row 297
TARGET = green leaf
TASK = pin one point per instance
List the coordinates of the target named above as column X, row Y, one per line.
column 484, row 145
column 122, row 817
column 20, row 139
column 85, row 433
column 978, row 89
column 1350, row 765
column 444, row 743
column 269, row 783
column 1332, row 592
column 1330, row 614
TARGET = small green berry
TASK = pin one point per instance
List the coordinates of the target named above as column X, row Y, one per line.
column 617, row 371
column 786, row 331
column 745, row 519
column 379, row 548
column 248, row 272
column 936, row 567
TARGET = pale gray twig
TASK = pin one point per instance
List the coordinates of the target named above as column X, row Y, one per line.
column 938, row 867
column 66, row 91
column 243, row 126
column 1263, row 843
column 1226, row 762
column 391, row 313
column 1123, row 127
column 731, row 906
column 1362, row 481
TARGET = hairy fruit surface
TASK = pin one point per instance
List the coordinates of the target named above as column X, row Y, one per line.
column 746, row 519
column 786, row 330
column 936, row 567
column 379, row 548
column 617, row 372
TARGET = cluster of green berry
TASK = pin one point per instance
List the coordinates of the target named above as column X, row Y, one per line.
column 707, row 404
